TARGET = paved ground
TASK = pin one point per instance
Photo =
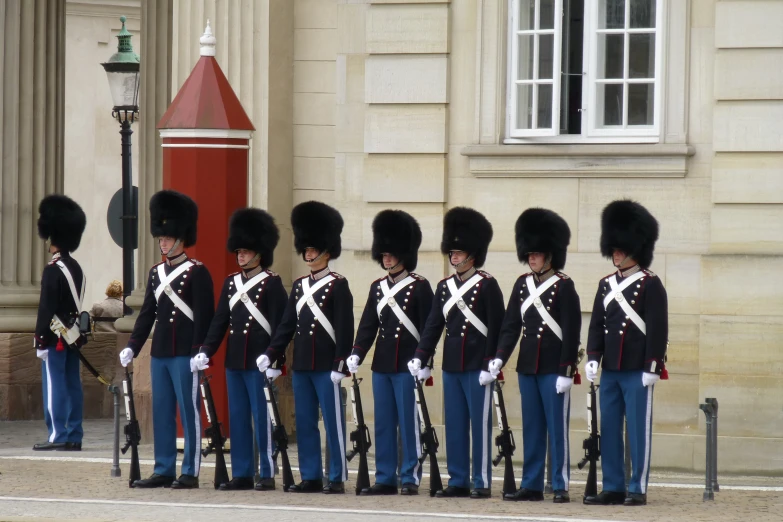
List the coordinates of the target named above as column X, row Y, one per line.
column 77, row 486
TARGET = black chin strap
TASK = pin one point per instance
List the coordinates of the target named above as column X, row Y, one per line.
column 316, row 258
column 461, row 264
column 256, row 257
column 173, row 248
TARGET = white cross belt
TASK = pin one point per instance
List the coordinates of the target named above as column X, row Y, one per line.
column 616, row 294
column 456, row 299
column 535, row 299
column 165, row 286
column 241, row 295
column 307, row 298
column 388, row 298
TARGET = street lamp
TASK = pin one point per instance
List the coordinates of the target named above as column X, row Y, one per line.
column 122, row 70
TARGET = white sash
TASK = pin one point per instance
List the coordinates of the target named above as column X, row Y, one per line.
column 388, row 298
column 77, row 298
column 616, row 294
column 535, row 299
column 57, row 326
column 242, row 290
column 307, row 298
column 164, row 286
column 456, row 298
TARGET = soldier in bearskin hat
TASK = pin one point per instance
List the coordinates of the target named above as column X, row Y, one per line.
column 61, row 223
column 469, row 305
column 319, row 319
column 179, row 302
column 544, row 308
column 628, row 334
column 250, row 307
column 398, row 304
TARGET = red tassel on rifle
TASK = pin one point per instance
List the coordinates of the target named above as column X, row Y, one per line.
column 577, row 378
column 664, row 374
column 500, row 377
column 60, row 346
column 283, row 369
column 429, row 381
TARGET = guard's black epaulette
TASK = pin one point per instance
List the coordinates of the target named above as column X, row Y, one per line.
column 156, row 265
column 485, row 275
column 337, row 276
column 608, row 275
column 195, row 261
column 649, row 272
column 272, row 274
column 526, row 274
column 379, row 280
column 230, row 276
column 561, row 275
column 417, row 277
column 445, row 279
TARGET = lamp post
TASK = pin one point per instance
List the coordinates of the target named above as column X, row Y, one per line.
column 122, row 70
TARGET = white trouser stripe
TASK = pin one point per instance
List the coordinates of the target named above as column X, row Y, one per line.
column 647, row 439
column 340, row 440
column 417, row 434
column 49, row 407
column 197, row 420
column 485, row 436
column 564, row 471
column 269, row 450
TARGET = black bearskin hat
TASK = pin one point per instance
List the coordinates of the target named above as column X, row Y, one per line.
column 541, row 230
column 317, row 225
column 62, row 221
column 628, row 226
column 467, row 230
column 175, row 215
column 253, row 229
column 398, row 233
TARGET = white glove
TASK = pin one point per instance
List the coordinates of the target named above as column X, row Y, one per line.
column 126, row 356
column 263, row 363
column 591, row 370
column 424, row 374
column 485, row 378
column 200, row 362
column 353, row 363
column 414, row 365
column 563, row 384
column 42, row 354
column 648, row 379
column 495, row 365
column 337, row 377
column 273, row 373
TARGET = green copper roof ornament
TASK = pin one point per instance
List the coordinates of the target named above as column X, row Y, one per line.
column 122, row 70
column 124, row 52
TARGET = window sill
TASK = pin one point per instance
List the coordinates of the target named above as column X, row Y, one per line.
column 579, row 160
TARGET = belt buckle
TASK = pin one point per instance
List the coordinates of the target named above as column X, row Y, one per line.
column 244, row 298
column 392, row 302
column 619, row 297
column 310, row 302
column 461, row 304
column 537, row 302
column 168, row 290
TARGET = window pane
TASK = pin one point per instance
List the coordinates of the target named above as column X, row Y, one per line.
column 527, row 11
column 610, row 96
column 642, row 14
column 547, row 17
column 641, row 55
column 544, row 106
column 641, row 101
column 610, row 55
column 524, row 106
column 525, row 57
column 611, row 14
column 546, row 52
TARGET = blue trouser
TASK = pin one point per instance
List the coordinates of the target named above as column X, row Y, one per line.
column 468, row 412
column 310, row 390
column 173, row 385
column 246, row 400
column 544, row 411
column 622, row 394
column 63, row 397
column 395, row 405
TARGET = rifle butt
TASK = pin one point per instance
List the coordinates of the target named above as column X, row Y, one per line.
column 288, row 475
column 591, row 486
column 509, row 482
column 221, row 472
column 135, row 469
column 363, row 478
column 436, row 484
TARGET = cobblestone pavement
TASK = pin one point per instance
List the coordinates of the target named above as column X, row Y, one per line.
column 77, row 486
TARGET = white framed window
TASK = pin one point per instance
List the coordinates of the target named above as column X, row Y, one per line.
column 585, row 70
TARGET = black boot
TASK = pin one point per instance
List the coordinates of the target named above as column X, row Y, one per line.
column 237, row 484
column 334, row 487
column 409, row 489
column 453, row 492
column 379, row 489
column 606, row 498
column 72, row 446
column 561, row 497
column 481, row 493
column 307, row 486
column 635, row 499
column 266, row 484
column 185, row 482
column 49, row 446
column 524, row 495
column 154, row 481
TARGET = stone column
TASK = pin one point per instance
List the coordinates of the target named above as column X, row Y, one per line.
column 32, row 79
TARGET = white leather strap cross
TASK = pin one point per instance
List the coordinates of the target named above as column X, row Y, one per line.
column 456, row 299
column 241, row 295
column 307, row 298
column 165, row 287
column 78, row 299
column 535, row 299
column 616, row 294
column 388, row 298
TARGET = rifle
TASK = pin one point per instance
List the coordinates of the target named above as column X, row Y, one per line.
column 592, row 444
column 279, row 435
column 504, row 440
column 429, row 439
column 132, row 430
column 214, row 432
column 360, row 438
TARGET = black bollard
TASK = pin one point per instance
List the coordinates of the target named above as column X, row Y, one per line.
column 115, row 467
column 714, row 403
column 709, row 493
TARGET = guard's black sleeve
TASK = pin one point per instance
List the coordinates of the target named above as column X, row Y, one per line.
column 219, row 325
column 47, row 306
column 343, row 324
column 595, row 332
column 146, row 319
column 433, row 328
column 424, row 296
column 511, row 328
column 285, row 329
column 368, row 327
column 203, row 306
column 657, row 319
column 492, row 296
column 276, row 301
column 571, row 324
